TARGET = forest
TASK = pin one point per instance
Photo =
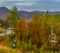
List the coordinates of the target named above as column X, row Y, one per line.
column 31, row 36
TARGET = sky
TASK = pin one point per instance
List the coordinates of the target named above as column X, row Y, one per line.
column 32, row 5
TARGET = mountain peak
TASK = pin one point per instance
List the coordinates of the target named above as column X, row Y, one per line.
column 3, row 8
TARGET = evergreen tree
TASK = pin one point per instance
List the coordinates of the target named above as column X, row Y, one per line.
column 13, row 17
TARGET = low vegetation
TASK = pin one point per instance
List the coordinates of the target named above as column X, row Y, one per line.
column 1, row 30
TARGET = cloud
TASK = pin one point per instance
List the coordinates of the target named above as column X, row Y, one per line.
column 30, row 5
column 10, row 3
column 20, row 3
column 24, row 4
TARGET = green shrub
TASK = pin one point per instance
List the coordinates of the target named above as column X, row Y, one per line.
column 2, row 51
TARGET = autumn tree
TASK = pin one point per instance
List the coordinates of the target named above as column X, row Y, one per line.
column 38, row 29
column 4, row 23
column 21, row 28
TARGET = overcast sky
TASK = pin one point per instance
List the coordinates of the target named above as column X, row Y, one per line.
column 31, row 5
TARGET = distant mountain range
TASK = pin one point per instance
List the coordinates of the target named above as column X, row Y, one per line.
column 25, row 14
column 3, row 12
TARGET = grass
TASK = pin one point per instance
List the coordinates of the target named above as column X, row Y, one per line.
column 5, row 49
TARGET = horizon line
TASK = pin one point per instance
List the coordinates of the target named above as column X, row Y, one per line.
column 33, row 10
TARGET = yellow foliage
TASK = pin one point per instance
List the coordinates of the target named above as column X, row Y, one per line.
column 6, row 49
column 1, row 30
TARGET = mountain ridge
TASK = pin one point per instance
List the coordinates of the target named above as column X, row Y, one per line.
column 25, row 14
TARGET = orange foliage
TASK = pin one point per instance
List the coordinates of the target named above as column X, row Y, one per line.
column 21, row 27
